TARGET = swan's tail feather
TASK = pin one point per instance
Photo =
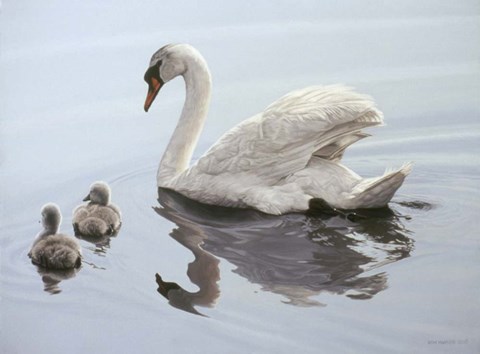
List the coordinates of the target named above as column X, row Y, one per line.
column 377, row 192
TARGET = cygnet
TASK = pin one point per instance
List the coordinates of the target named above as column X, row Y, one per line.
column 99, row 217
column 53, row 250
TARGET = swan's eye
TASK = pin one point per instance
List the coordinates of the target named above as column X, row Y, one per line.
column 152, row 72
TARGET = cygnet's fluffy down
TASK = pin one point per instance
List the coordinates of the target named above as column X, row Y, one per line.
column 52, row 250
column 99, row 217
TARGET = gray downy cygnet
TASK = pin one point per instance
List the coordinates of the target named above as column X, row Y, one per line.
column 99, row 217
column 53, row 250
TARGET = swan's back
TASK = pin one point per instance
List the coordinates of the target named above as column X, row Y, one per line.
column 281, row 140
column 268, row 161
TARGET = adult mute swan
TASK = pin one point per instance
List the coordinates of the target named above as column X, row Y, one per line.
column 279, row 161
column 52, row 250
column 99, row 217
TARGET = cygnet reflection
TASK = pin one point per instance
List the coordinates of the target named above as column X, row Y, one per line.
column 52, row 277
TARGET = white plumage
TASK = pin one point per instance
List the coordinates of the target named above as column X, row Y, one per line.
column 276, row 161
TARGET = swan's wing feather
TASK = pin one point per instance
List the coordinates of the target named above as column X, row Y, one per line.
column 318, row 120
column 334, row 151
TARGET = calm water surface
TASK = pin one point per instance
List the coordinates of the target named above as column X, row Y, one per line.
column 185, row 277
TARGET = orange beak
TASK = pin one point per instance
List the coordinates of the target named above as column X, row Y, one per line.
column 153, row 88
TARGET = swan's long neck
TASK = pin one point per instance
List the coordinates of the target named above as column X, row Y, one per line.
column 185, row 137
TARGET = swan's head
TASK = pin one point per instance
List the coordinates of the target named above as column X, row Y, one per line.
column 167, row 63
column 51, row 217
column 99, row 194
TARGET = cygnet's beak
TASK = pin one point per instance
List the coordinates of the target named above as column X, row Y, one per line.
column 153, row 87
column 87, row 198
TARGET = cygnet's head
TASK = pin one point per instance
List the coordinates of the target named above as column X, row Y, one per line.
column 51, row 217
column 99, row 194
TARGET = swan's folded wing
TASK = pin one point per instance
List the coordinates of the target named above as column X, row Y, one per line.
column 318, row 120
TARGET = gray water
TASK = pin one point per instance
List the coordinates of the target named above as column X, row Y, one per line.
column 184, row 277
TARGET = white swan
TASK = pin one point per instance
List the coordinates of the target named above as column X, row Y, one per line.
column 278, row 161
column 52, row 250
column 99, row 217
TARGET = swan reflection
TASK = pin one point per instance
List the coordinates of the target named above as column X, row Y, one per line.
column 297, row 256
